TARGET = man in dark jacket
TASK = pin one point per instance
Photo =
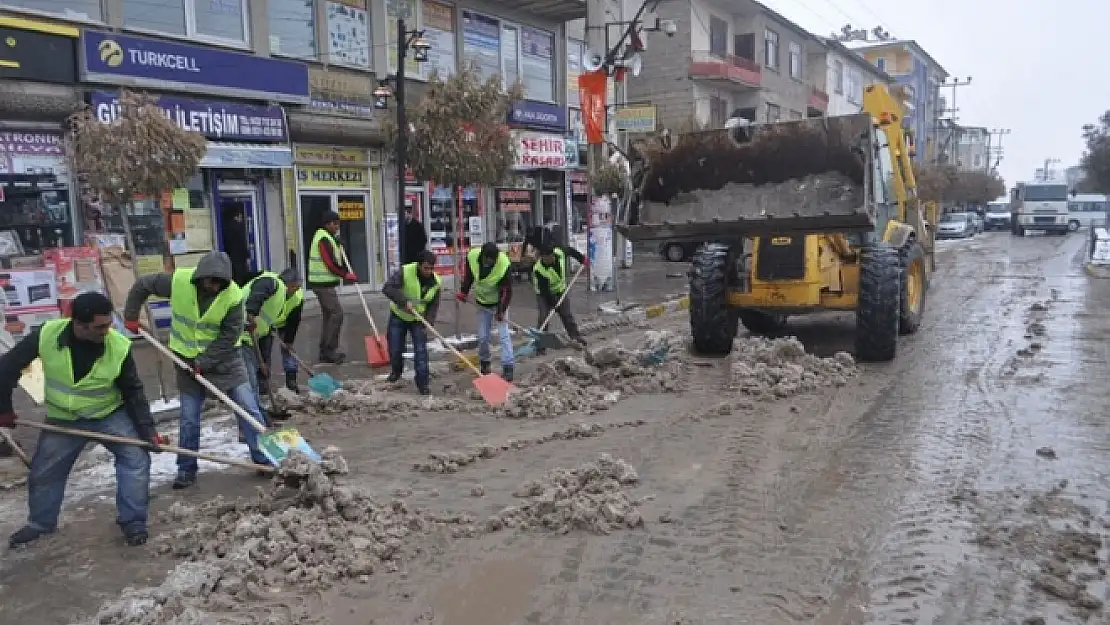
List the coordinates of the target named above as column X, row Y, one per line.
column 551, row 279
column 327, row 270
column 208, row 321
column 93, row 385
column 264, row 302
column 413, row 289
column 235, row 241
column 285, row 327
column 416, row 238
column 487, row 272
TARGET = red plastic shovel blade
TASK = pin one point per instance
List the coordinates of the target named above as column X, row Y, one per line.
column 494, row 389
column 376, row 353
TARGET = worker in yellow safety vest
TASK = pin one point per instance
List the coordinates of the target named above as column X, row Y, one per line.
column 549, row 279
column 285, row 329
column 93, row 385
column 327, row 270
column 412, row 289
column 487, row 273
column 264, row 300
column 206, row 331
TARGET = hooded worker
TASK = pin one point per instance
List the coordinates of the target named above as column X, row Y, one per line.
column 264, row 303
column 413, row 290
column 487, row 272
column 206, row 330
column 550, row 280
column 327, row 269
column 285, row 328
column 92, row 384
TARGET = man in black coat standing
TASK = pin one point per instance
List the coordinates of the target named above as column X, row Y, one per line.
column 416, row 238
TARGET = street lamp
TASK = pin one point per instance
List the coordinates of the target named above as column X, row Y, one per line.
column 406, row 40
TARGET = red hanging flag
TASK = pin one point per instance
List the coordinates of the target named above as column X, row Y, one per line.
column 591, row 93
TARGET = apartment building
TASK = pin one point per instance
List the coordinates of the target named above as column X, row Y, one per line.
column 729, row 57
column 919, row 77
column 843, row 75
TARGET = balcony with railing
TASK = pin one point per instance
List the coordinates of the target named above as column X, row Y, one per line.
column 818, row 100
column 737, row 70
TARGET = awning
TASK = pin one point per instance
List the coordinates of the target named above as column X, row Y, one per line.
column 322, row 128
column 246, row 156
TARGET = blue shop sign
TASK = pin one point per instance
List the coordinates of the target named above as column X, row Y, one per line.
column 157, row 64
column 219, row 121
column 537, row 115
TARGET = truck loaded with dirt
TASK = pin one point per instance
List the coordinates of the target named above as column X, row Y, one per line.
column 823, row 213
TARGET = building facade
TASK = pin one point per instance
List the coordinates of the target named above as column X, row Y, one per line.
column 844, row 75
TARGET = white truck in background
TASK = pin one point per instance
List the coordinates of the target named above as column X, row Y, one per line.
column 1039, row 206
column 997, row 215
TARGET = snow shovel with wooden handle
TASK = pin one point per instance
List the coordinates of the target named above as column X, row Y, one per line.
column 540, row 335
column 377, row 355
column 275, row 444
column 322, row 383
column 494, row 389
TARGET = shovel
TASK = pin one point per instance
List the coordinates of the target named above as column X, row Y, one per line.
column 16, row 449
column 541, row 338
column 111, row 438
column 276, row 413
column 321, row 383
column 376, row 353
column 275, row 444
column 494, row 389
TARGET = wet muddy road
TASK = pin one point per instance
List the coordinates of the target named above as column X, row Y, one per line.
column 967, row 482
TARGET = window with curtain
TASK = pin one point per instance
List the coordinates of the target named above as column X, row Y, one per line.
column 85, row 9
column 224, row 20
column 482, row 43
column 510, row 57
column 293, row 28
column 537, row 64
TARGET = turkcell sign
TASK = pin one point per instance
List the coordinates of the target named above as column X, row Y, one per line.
column 117, row 59
column 219, row 121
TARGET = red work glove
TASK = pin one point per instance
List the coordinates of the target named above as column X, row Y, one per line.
column 251, row 324
column 132, row 326
column 351, row 276
column 459, row 295
column 585, row 261
column 7, row 420
column 196, row 369
column 499, row 316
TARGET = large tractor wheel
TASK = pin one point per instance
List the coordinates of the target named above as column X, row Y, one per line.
column 761, row 323
column 880, row 303
column 915, row 284
column 712, row 324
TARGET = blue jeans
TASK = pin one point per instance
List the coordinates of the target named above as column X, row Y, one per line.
column 191, row 404
column 54, row 458
column 486, row 319
column 397, row 331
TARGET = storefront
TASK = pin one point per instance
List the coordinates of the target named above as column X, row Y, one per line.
column 234, row 203
column 37, row 198
column 330, row 178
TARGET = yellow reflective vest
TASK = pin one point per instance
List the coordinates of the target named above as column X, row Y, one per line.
column 191, row 332
column 556, row 276
column 485, row 289
column 271, row 308
column 291, row 303
column 318, row 272
column 414, row 291
column 96, row 395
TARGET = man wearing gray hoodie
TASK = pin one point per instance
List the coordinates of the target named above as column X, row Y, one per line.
column 208, row 320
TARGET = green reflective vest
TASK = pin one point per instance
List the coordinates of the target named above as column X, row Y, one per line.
column 96, row 395
column 485, row 289
column 191, row 332
column 414, row 291
column 291, row 303
column 271, row 308
column 318, row 272
column 556, row 275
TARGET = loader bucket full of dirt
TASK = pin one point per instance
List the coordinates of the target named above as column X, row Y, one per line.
column 798, row 176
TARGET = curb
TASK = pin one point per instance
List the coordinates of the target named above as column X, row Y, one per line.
column 1097, row 271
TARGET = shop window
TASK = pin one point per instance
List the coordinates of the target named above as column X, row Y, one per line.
column 537, row 64
column 348, row 33
column 222, row 20
column 36, row 208
column 293, row 28
column 514, row 218
column 514, row 52
column 446, row 223
column 575, row 50
column 510, row 57
column 482, row 43
column 80, row 9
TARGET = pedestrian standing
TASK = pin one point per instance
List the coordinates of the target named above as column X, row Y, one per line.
column 206, row 328
column 285, row 327
column 416, row 238
column 412, row 289
column 326, row 272
column 487, row 272
column 266, row 296
column 549, row 278
column 92, row 384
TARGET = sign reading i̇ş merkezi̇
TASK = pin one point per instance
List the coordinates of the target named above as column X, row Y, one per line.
column 118, row 59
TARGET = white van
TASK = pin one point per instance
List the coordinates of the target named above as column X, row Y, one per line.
column 1086, row 210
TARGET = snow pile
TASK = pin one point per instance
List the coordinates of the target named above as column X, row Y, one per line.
column 591, row 498
column 781, row 367
column 360, row 401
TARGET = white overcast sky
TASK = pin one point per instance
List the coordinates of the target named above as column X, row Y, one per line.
column 1038, row 67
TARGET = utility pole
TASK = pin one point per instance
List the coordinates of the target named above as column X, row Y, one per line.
column 992, row 149
column 1046, row 173
column 597, row 41
column 955, row 83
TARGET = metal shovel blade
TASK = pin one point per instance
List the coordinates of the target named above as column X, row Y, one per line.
column 494, row 389
column 324, row 384
column 544, row 340
column 276, row 444
column 376, row 353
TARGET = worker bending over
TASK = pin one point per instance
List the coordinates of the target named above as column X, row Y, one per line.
column 413, row 288
column 487, row 271
column 205, row 332
column 265, row 299
column 327, row 270
column 285, row 327
column 91, row 384
column 549, row 277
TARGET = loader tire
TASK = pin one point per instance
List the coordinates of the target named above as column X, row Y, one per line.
column 761, row 323
column 915, row 286
column 712, row 324
column 880, row 303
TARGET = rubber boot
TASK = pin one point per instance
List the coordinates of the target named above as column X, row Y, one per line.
column 291, row 381
column 485, row 367
column 507, row 373
column 394, row 375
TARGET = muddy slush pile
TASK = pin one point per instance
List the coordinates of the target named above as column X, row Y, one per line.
column 360, row 401
column 781, row 367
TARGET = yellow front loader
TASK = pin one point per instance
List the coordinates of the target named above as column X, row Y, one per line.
column 796, row 217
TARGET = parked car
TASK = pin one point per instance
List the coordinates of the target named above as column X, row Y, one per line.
column 956, row 226
column 998, row 217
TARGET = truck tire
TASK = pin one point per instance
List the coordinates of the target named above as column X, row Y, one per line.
column 880, row 303
column 915, row 285
column 762, row 324
column 712, row 325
